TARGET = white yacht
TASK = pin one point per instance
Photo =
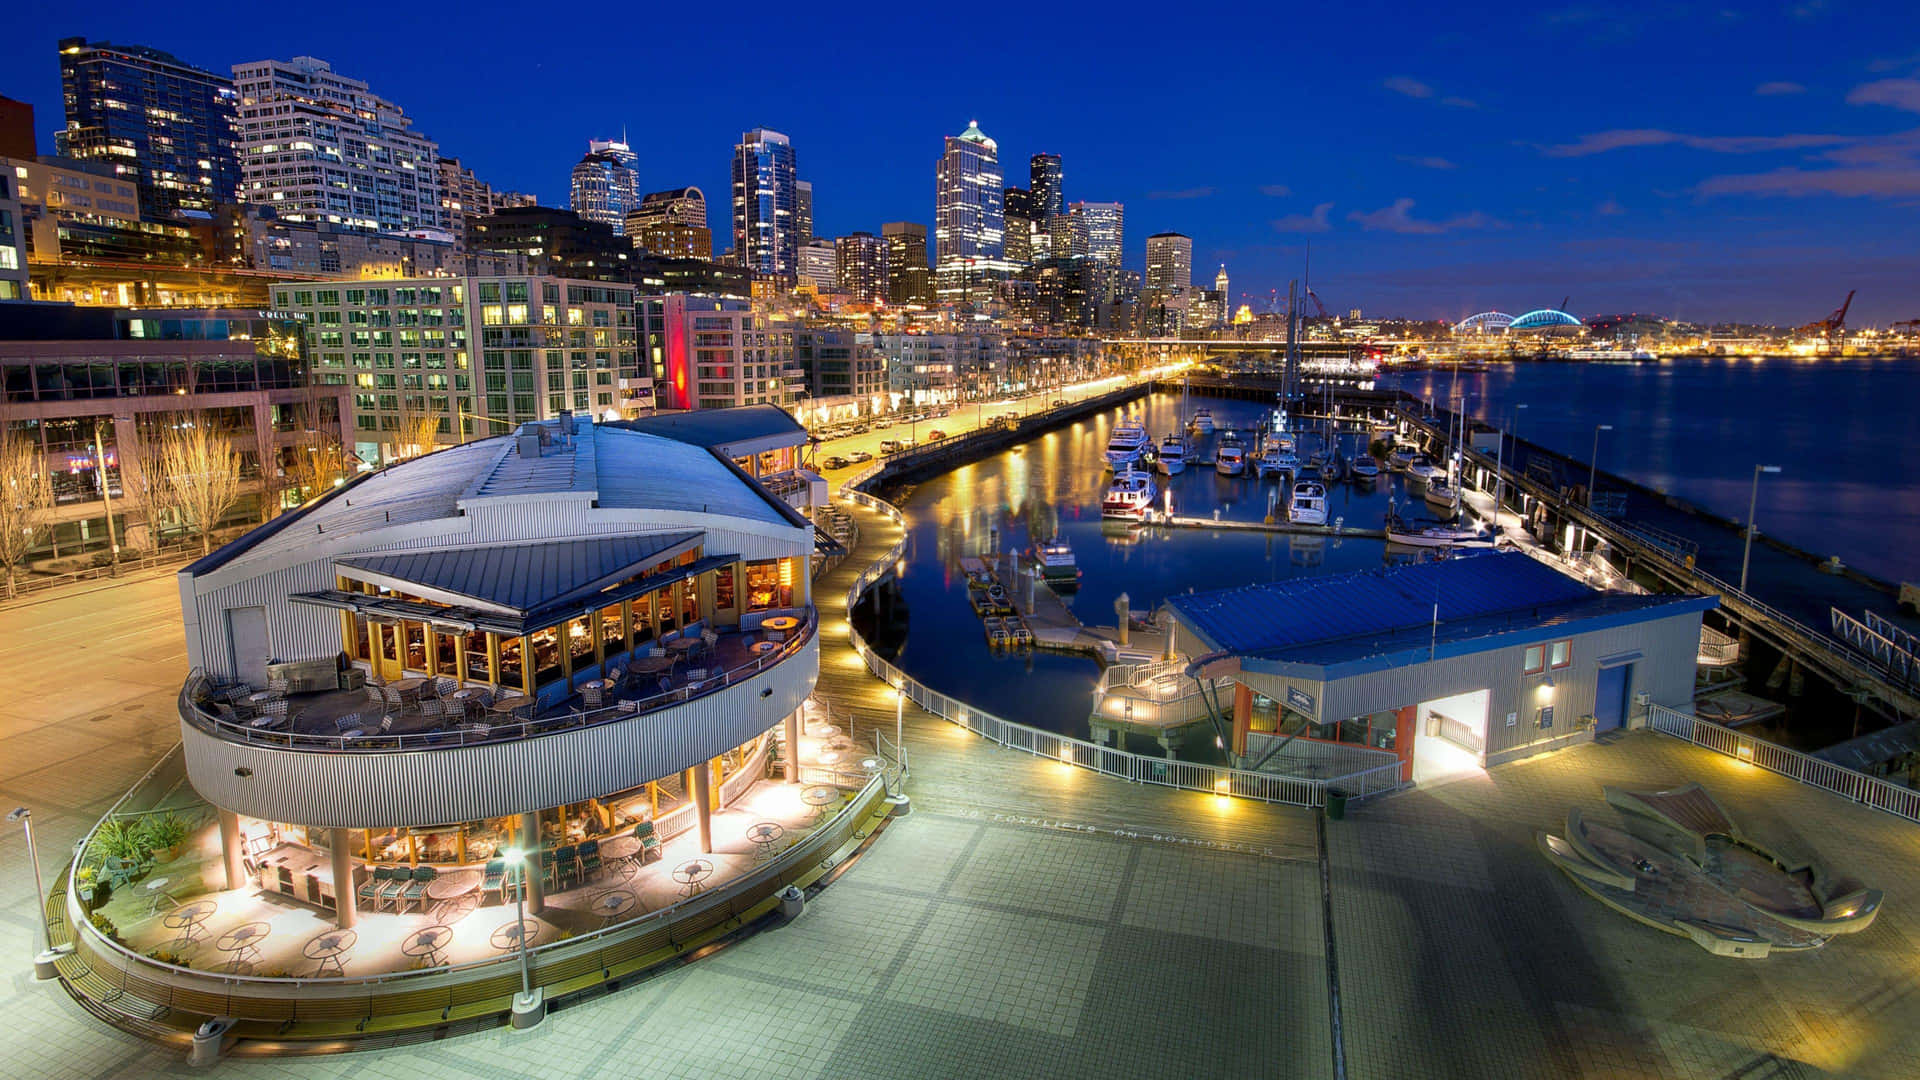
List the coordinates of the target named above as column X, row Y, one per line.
column 1423, row 467
column 1129, row 441
column 1363, row 469
column 1203, row 420
column 1442, row 495
column 1309, row 503
column 1230, row 459
column 1131, row 495
column 1173, row 455
column 1055, row 561
column 1277, row 458
column 1402, row 457
column 1419, row 532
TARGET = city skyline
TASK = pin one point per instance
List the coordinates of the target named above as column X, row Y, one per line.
column 1752, row 185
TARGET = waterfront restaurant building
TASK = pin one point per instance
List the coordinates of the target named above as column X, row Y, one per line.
column 1450, row 666
column 536, row 642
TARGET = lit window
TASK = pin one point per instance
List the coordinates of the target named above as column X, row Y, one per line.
column 1562, row 653
column 1535, row 659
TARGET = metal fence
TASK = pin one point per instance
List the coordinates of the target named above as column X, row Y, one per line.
column 1816, row 772
column 1108, row 761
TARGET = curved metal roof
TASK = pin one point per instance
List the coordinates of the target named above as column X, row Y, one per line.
column 1543, row 317
column 1485, row 320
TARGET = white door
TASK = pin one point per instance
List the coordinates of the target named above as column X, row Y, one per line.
column 247, row 641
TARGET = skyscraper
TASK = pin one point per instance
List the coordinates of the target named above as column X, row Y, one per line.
column 672, row 224
column 803, row 211
column 820, row 265
column 1023, row 219
column 1169, row 263
column 1226, row 294
column 1049, row 196
column 765, row 197
column 969, row 221
column 862, row 259
column 1099, row 231
column 317, row 146
column 605, row 185
column 909, row 281
column 163, row 124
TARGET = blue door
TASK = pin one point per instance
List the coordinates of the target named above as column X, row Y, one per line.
column 1610, row 697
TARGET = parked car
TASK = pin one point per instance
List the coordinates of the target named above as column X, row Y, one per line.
column 883, row 424
column 1059, row 403
column 835, row 462
column 936, row 435
column 893, row 446
column 859, row 457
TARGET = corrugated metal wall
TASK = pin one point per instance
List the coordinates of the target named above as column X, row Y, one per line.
column 430, row 787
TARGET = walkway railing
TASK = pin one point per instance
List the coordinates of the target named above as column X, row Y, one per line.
column 1815, row 772
column 457, row 735
column 1105, row 760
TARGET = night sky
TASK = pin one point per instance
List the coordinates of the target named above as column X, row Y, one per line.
column 1716, row 161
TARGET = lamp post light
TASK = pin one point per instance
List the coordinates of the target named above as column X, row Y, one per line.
column 43, row 953
column 529, row 1008
column 1593, row 463
column 1753, row 502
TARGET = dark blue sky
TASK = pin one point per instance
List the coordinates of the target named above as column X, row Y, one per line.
column 1700, row 161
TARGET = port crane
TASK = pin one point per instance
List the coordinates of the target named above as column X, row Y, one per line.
column 1833, row 325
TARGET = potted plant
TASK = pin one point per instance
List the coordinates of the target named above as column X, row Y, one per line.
column 164, row 835
column 116, row 839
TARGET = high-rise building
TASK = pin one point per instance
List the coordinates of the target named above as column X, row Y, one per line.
column 162, row 123
column 1099, row 231
column 840, row 366
column 969, row 225
column 1169, row 263
column 862, row 259
column 765, row 197
column 554, row 241
column 319, row 146
column 1049, row 196
column 820, row 265
column 1226, row 295
column 909, row 280
column 803, row 211
column 1023, row 218
column 605, row 185
column 465, row 197
column 710, row 352
column 672, row 225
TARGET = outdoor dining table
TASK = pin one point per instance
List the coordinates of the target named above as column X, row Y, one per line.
column 765, row 834
column 655, row 665
column 187, row 919
column 410, row 689
column 821, row 796
column 782, row 623
column 243, row 942
column 156, row 892
column 612, row 904
column 765, row 646
column 622, row 850
column 261, row 697
column 508, row 935
column 691, row 873
column 427, row 943
column 454, row 883
column 328, row 949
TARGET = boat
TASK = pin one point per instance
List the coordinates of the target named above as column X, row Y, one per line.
column 1274, row 461
column 1423, row 467
column 1055, row 562
column 1131, row 496
column 1308, row 506
column 1363, row 469
column 1129, row 440
column 1203, row 420
column 1442, row 495
column 1230, row 459
column 1173, row 455
column 1402, row 457
column 1425, row 532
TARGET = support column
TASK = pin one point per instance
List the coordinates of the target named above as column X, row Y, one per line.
column 793, row 747
column 530, row 847
column 703, row 803
column 1242, row 717
column 346, row 891
column 230, row 852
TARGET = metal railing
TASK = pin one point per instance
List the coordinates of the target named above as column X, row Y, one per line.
column 1815, row 772
column 1107, row 761
column 457, row 735
column 26, row 585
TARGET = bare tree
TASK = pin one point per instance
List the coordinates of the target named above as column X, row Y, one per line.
column 315, row 464
column 199, row 473
column 419, row 429
column 26, row 498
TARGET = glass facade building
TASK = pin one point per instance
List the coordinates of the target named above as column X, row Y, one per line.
column 766, row 234
column 164, row 124
column 969, row 221
column 605, row 186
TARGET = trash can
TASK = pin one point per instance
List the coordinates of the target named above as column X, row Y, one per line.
column 1336, row 804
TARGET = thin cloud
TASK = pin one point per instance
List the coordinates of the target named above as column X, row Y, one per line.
column 1610, row 208
column 1183, row 193
column 1893, row 93
column 1779, row 89
column 1413, row 88
column 1429, row 162
column 1278, row 191
column 1399, row 218
column 1460, row 102
column 1302, row 223
column 1626, row 138
column 1852, row 183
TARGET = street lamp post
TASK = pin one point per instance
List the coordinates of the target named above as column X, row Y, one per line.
column 1593, row 463
column 43, row 955
column 1753, row 502
column 528, row 1008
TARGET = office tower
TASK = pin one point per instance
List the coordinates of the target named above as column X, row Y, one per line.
column 319, row 146
column 803, row 211
column 1049, row 195
column 820, row 265
column 555, row 241
column 672, row 224
column 841, row 367
column 1226, row 294
column 909, row 281
column 765, row 196
column 1099, row 231
column 1169, row 263
column 1022, row 217
column 862, row 260
column 17, row 139
column 969, row 218
column 710, row 352
column 164, row 124
column 605, row 185
column 465, row 197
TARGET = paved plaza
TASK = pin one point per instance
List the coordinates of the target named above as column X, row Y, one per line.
column 1029, row 919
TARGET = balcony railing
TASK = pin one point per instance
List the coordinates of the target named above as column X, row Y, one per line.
column 194, row 708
